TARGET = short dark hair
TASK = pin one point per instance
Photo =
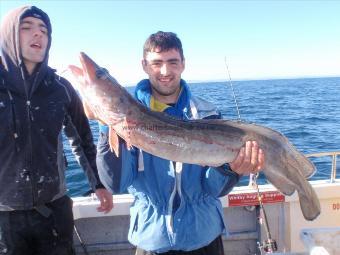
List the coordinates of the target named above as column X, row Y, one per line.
column 163, row 41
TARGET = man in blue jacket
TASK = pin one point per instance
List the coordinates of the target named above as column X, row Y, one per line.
column 35, row 212
column 177, row 208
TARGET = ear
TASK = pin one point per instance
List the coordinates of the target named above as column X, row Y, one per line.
column 144, row 65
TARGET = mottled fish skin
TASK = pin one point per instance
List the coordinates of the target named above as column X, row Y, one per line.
column 203, row 142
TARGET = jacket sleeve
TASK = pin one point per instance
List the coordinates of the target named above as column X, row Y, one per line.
column 77, row 130
column 116, row 173
column 219, row 181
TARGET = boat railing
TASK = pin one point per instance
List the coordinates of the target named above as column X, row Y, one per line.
column 332, row 154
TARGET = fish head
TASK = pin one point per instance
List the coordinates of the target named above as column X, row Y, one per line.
column 89, row 66
column 100, row 92
column 90, row 78
column 93, row 73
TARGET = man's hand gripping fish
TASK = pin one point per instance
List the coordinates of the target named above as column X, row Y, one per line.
column 203, row 142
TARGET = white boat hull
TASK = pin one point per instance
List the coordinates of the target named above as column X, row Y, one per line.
column 107, row 234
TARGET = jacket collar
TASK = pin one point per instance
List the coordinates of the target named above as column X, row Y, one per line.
column 180, row 110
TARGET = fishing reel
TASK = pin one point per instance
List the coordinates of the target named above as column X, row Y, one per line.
column 268, row 246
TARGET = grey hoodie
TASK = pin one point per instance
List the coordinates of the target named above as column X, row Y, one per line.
column 32, row 162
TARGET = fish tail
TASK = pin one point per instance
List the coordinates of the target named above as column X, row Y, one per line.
column 309, row 202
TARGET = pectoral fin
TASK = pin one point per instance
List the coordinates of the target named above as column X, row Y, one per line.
column 127, row 136
column 114, row 141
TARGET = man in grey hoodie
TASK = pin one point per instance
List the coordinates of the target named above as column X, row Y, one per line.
column 35, row 104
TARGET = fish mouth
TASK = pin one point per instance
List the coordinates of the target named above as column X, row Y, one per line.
column 89, row 66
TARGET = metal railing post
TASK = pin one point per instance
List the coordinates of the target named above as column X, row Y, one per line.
column 333, row 177
column 334, row 155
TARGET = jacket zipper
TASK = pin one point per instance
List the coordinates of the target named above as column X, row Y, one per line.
column 30, row 119
column 29, row 151
column 169, row 217
column 177, row 188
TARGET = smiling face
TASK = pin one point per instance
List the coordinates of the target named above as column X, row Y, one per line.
column 164, row 69
column 33, row 36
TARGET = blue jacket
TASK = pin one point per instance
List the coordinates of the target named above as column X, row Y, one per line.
column 176, row 205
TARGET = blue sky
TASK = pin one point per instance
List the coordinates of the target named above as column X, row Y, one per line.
column 260, row 39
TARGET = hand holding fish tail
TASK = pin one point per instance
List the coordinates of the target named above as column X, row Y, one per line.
column 249, row 160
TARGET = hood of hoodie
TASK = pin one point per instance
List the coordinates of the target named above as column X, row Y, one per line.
column 12, row 65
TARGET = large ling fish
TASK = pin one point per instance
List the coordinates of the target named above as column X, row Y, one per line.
column 203, row 142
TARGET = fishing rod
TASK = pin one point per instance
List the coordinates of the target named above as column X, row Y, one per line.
column 232, row 89
column 82, row 243
column 269, row 245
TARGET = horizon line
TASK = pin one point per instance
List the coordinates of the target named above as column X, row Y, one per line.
column 253, row 79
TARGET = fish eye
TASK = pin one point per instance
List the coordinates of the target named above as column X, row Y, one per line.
column 102, row 73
